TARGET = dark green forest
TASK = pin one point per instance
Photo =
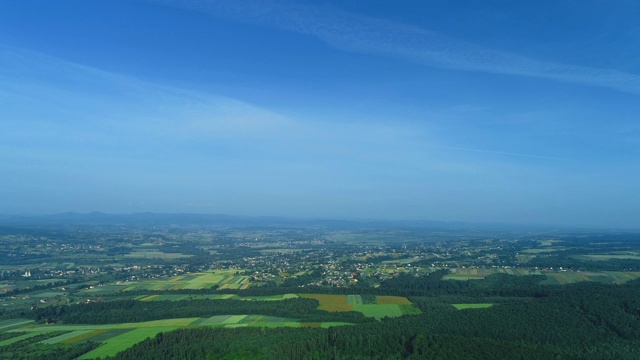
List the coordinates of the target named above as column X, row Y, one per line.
column 577, row 321
column 527, row 321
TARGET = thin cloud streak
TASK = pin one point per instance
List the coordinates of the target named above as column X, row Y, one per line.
column 355, row 33
column 72, row 94
column 62, row 107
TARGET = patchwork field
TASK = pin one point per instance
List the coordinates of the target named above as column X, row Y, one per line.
column 224, row 279
column 7, row 324
column 553, row 277
column 605, row 277
column 178, row 297
column 604, row 257
column 478, row 274
column 17, row 338
column 384, row 306
column 124, row 341
column 117, row 337
column 156, row 255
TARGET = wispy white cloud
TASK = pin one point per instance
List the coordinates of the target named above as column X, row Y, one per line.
column 75, row 99
column 76, row 137
column 76, row 111
column 355, row 33
column 58, row 113
column 64, row 107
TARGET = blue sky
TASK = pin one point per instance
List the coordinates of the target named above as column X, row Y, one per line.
column 483, row 111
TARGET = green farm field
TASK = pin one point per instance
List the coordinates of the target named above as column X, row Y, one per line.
column 17, row 338
column 378, row 311
column 604, row 257
column 124, row 341
column 178, row 297
column 117, row 337
column 224, row 279
column 605, row 277
column 385, row 306
column 155, row 255
column 553, row 277
column 7, row 324
column 478, row 274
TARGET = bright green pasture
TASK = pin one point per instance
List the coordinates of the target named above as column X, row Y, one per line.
column 5, row 324
column 124, row 341
column 67, row 336
column 390, row 306
column 17, row 338
column 378, row 311
column 471, row 306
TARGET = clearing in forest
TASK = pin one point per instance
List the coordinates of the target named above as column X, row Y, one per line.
column 385, row 306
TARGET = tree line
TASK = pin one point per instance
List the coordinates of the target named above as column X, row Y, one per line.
column 120, row 311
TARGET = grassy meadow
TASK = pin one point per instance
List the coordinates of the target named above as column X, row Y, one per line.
column 384, row 306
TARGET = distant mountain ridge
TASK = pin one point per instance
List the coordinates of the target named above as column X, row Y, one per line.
column 224, row 220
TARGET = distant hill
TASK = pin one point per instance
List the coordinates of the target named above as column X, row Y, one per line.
column 148, row 219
